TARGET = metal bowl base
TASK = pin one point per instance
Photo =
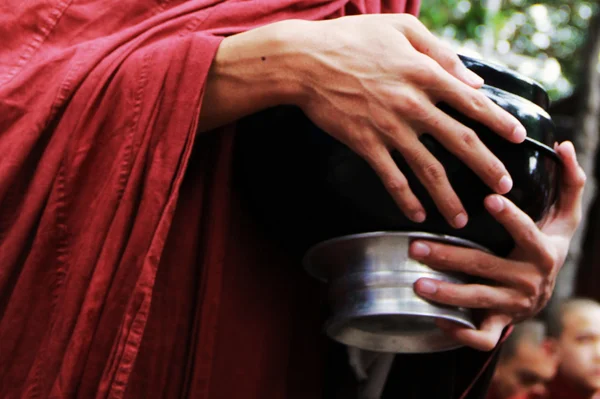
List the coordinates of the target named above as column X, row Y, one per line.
column 373, row 303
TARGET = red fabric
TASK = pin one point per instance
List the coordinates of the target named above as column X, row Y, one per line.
column 128, row 266
column 560, row 388
column 505, row 334
column 492, row 395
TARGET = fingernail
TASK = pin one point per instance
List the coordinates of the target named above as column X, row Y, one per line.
column 472, row 77
column 427, row 287
column 519, row 133
column 418, row 217
column 420, row 249
column 495, row 203
column 460, row 220
column 505, row 184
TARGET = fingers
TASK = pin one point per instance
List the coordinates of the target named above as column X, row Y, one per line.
column 476, row 105
column 523, row 230
column 448, row 76
column 485, row 338
column 477, row 263
column 473, row 296
column 395, row 182
column 466, row 145
column 442, row 86
column 427, row 43
column 572, row 185
column 432, row 175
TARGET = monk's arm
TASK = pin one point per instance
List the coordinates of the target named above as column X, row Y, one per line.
column 372, row 82
column 253, row 71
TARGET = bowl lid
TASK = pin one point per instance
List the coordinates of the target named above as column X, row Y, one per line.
column 508, row 80
column 537, row 122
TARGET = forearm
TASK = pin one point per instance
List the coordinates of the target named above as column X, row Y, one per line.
column 252, row 71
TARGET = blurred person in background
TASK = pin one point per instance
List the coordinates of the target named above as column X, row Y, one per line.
column 526, row 363
column 574, row 326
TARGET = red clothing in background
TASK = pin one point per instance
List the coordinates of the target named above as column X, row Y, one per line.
column 560, row 388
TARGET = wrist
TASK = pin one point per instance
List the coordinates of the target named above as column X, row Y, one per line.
column 255, row 70
column 263, row 60
column 284, row 61
column 292, row 49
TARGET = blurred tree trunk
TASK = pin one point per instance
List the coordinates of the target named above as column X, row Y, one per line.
column 582, row 254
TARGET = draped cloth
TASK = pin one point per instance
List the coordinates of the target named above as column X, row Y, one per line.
column 128, row 265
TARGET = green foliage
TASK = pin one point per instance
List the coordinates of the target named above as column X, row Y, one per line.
column 549, row 33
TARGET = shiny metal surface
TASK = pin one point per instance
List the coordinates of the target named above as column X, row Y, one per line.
column 373, row 304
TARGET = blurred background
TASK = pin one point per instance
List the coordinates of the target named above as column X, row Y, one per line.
column 556, row 43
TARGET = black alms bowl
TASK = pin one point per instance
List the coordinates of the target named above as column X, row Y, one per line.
column 307, row 187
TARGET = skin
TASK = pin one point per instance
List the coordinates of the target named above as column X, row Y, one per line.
column 341, row 74
column 525, row 373
column 579, row 348
column 327, row 69
column 524, row 281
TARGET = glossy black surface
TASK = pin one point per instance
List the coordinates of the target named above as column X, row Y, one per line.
column 508, row 80
column 307, row 187
column 537, row 122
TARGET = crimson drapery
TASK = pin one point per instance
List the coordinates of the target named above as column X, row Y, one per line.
column 128, row 267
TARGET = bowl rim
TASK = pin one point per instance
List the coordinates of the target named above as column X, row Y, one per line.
column 541, row 111
column 499, row 68
column 410, row 235
column 550, row 151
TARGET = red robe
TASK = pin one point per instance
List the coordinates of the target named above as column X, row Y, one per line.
column 128, row 266
column 561, row 388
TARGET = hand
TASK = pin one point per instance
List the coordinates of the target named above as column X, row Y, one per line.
column 525, row 280
column 373, row 82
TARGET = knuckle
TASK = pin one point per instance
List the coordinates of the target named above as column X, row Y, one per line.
column 487, row 345
column 441, row 256
column 364, row 145
column 410, row 20
column 468, row 139
column 495, row 168
column 452, row 59
column 386, row 125
column 529, row 236
column 434, row 172
column 484, row 268
column 482, row 300
column 531, row 286
column 524, row 305
column 396, row 184
column 547, row 259
column 411, row 105
column 447, row 57
column 429, row 68
column 547, row 262
column 478, row 102
column 425, row 71
column 545, row 296
column 416, row 158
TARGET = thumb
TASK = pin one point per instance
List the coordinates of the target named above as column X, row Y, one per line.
column 571, row 186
